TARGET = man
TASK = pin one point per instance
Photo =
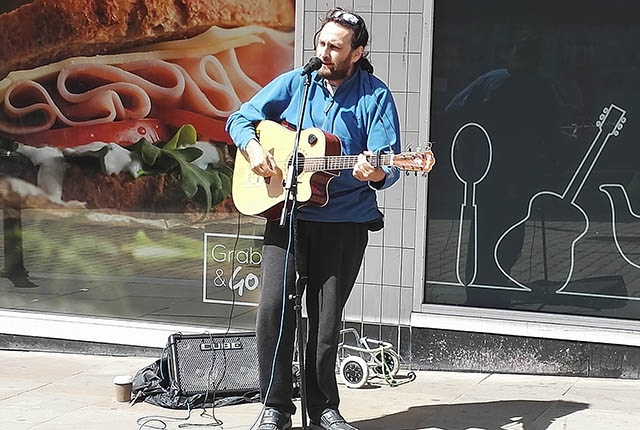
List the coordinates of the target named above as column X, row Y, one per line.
column 346, row 100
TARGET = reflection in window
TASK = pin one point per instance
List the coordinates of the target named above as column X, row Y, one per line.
column 534, row 204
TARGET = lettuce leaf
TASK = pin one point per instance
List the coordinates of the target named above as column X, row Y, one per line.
column 209, row 186
column 179, row 152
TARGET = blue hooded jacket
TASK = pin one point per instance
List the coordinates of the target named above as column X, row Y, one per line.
column 362, row 113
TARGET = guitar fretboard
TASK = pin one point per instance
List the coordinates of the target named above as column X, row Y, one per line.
column 340, row 162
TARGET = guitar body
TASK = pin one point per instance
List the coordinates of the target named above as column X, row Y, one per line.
column 255, row 195
column 564, row 207
column 568, row 210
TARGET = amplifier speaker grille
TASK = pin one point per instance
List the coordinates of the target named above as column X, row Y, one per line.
column 207, row 363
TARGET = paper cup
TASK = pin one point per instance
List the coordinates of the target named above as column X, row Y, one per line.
column 122, row 385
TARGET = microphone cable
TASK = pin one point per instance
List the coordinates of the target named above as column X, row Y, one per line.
column 159, row 422
column 215, row 421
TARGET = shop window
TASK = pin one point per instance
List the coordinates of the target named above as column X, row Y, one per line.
column 535, row 202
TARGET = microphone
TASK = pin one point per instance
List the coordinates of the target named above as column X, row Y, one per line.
column 314, row 63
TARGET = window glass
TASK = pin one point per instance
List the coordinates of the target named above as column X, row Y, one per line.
column 535, row 201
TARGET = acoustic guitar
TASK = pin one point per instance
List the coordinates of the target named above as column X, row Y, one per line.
column 319, row 161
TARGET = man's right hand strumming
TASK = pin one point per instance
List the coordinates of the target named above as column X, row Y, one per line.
column 262, row 163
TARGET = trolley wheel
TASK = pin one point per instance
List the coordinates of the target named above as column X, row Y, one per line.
column 354, row 371
column 387, row 364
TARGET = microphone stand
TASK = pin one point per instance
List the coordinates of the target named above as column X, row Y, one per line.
column 291, row 192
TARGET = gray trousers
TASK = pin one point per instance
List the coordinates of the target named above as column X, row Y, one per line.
column 330, row 255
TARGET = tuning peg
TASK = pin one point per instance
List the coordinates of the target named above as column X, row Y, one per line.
column 426, row 146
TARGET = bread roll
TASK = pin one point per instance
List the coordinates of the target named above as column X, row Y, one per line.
column 46, row 31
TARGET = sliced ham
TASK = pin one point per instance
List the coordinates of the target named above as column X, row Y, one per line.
column 264, row 61
column 90, row 92
column 244, row 86
column 209, row 90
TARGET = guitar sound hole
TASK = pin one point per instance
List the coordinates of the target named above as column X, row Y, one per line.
column 300, row 164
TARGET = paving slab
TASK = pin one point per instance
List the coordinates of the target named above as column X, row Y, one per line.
column 52, row 391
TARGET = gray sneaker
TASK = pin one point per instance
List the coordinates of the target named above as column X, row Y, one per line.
column 273, row 419
column 331, row 420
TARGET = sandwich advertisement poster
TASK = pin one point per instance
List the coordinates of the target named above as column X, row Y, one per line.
column 112, row 118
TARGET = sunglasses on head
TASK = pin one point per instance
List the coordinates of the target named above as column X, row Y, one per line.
column 347, row 17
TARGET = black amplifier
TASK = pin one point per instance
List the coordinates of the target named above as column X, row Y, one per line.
column 211, row 363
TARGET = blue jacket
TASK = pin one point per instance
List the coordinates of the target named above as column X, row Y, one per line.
column 361, row 113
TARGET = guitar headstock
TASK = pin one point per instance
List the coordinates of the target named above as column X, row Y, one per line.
column 415, row 161
column 611, row 115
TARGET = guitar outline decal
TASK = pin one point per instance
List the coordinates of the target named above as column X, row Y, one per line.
column 571, row 192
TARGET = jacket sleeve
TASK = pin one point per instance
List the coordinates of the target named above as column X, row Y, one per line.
column 384, row 133
column 268, row 103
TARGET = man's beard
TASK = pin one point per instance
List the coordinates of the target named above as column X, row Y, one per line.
column 339, row 73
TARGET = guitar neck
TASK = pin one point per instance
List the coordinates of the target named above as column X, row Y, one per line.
column 606, row 130
column 584, row 169
column 342, row 162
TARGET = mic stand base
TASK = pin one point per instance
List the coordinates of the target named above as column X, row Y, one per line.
column 301, row 341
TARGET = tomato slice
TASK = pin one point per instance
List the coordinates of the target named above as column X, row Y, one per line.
column 206, row 126
column 123, row 133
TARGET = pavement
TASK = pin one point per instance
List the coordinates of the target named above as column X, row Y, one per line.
column 43, row 390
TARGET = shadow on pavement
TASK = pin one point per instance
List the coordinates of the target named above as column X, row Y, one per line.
column 526, row 414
